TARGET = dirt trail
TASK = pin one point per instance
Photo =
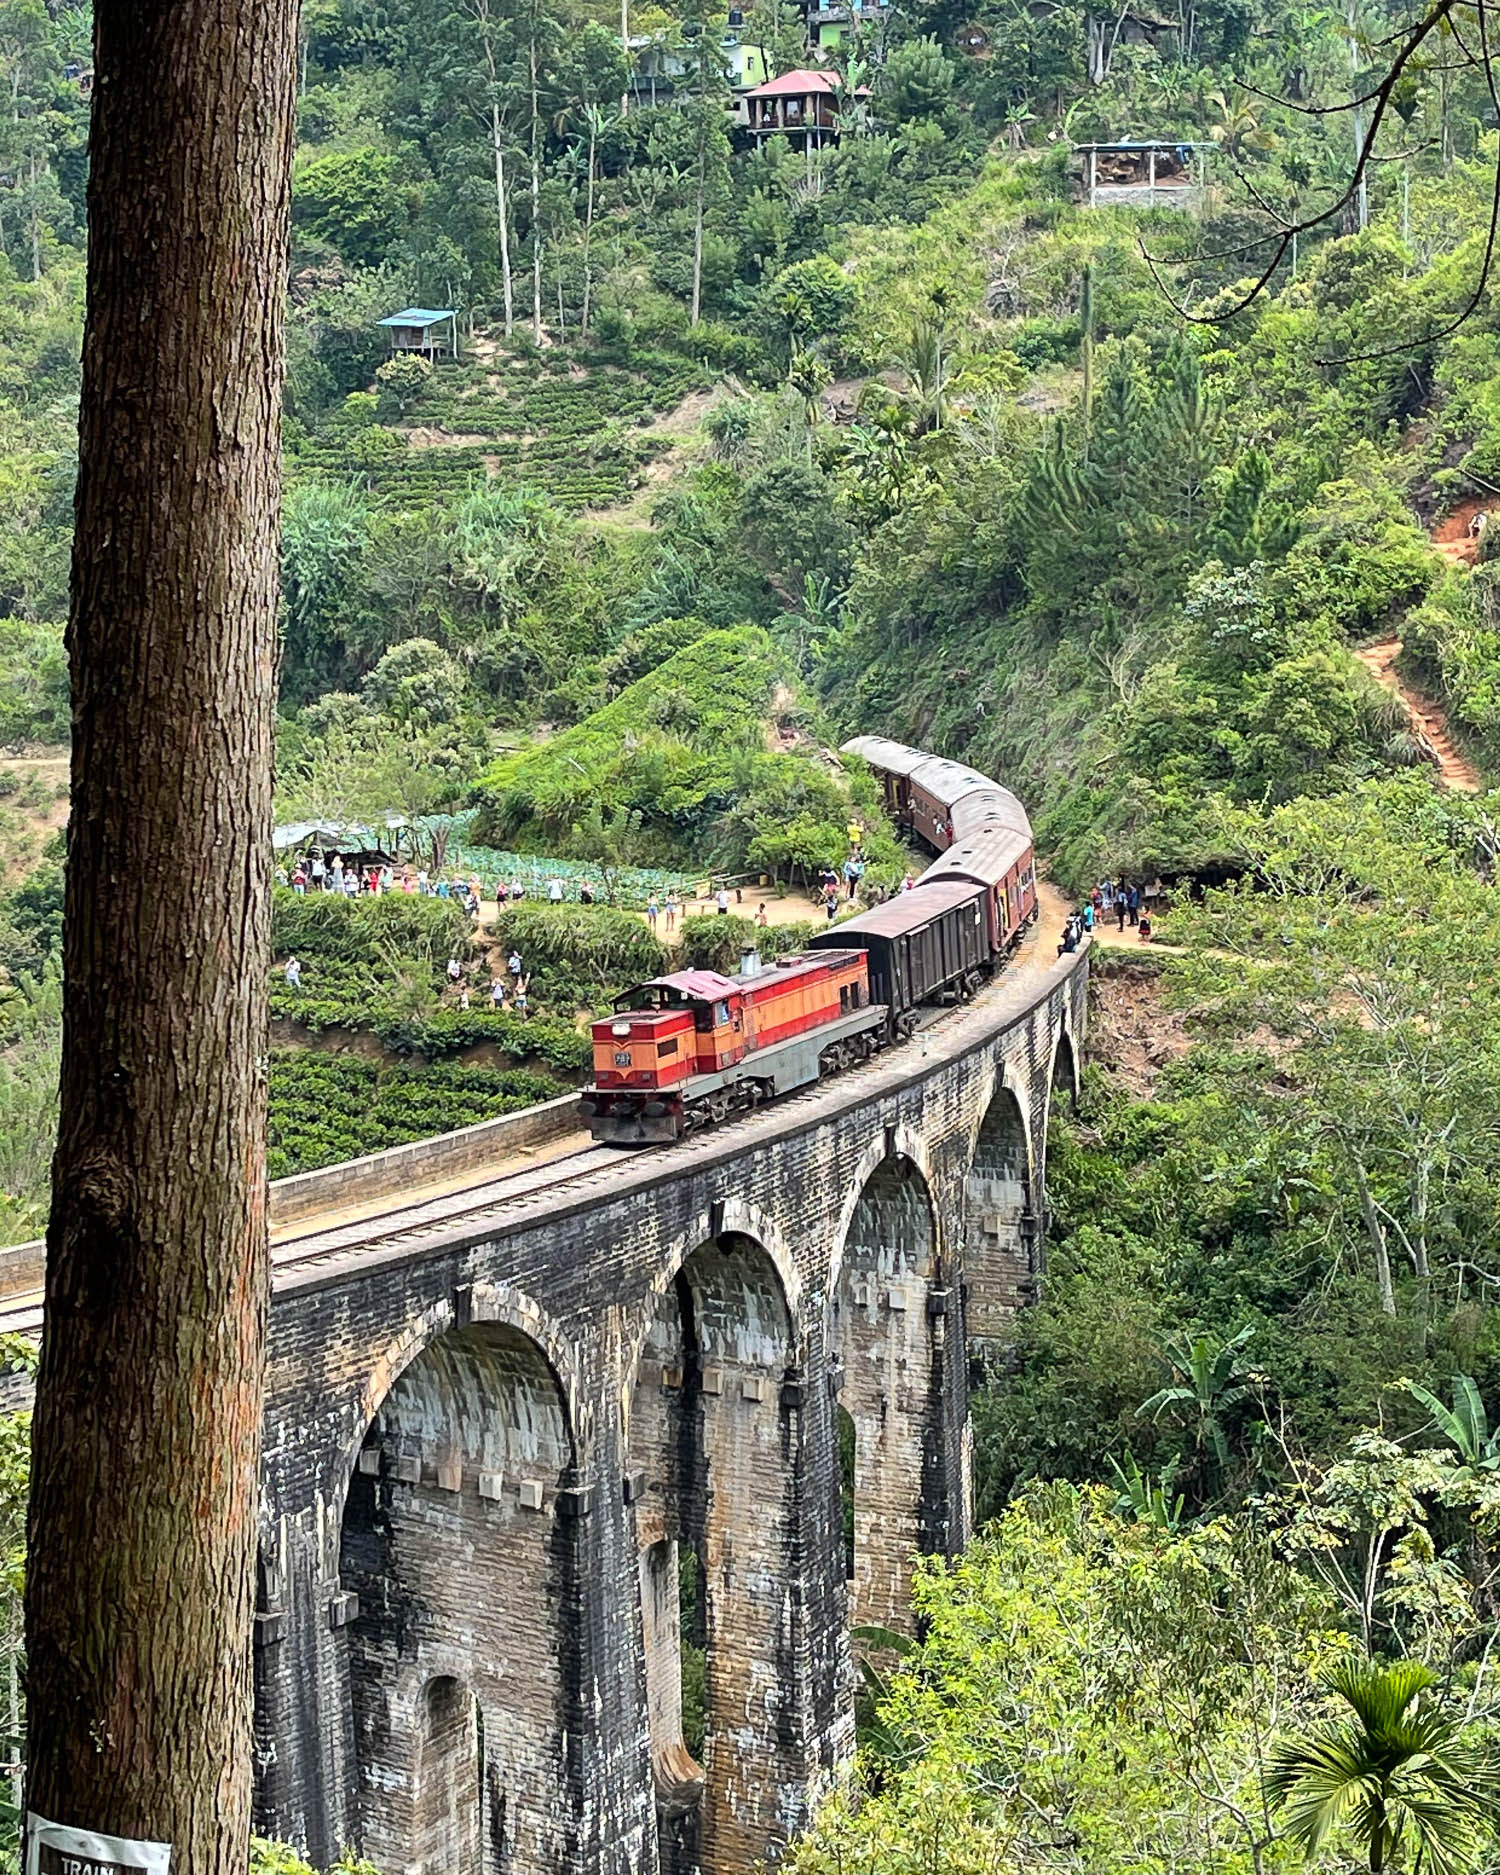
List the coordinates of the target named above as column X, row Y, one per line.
column 1429, row 724
column 1452, row 537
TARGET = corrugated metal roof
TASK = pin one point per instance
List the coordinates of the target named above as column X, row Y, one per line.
column 420, row 316
column 880, row 752
column 908, row 911
column 991, row 807
column 794, row 84
column 948, row 782
column 704, row 986
column 986, row 856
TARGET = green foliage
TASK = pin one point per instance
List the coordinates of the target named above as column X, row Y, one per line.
column 327, row 1108
column 1394, row 1772
column 279, row 1858
column 1077, row 1665
column 350, row 199
column 714, row 941
column 582, row 953
column 369, row 930
column 33, row 683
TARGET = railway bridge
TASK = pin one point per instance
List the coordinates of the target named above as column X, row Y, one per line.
column 522, row 1387
column 499, row 1420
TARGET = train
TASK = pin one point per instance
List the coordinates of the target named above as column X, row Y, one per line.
column 689, row 1049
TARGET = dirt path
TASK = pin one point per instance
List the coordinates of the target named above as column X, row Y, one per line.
column 1429, row 724
column 1451, row 535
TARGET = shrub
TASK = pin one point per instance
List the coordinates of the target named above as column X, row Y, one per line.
column 582, row 950
column 714, row 941
column 328, row 1108
column 369, row 930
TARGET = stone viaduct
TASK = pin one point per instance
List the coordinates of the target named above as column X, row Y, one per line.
column 499, row 1438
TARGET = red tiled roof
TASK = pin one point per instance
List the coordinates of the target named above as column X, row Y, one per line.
column 795, row 84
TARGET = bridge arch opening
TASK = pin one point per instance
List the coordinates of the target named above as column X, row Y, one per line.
column 714, row 1436
column 458, row 1541
column 889, row 1304
column 1065, row 1070
column 1000, row 1227
column 448, row 1794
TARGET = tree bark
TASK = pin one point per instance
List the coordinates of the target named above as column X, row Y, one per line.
column 142, row 1527
column 588, row 224
column 502, row 209
column 536, row 194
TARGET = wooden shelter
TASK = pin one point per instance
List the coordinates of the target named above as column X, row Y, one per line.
column 425, row 329
column 801, row 104
column 1139, row 175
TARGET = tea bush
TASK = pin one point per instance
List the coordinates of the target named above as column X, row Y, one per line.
column 328, row 1108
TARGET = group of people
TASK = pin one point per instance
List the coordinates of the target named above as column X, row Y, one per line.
column 509, row 989
column 311, row 872
column 1110, row 898
column 657, row 910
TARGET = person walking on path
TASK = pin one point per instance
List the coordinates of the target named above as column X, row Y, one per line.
column 671, row 911
column 554, row 891
column 1120, row 909
column 653, row 911
column 293, row 974
column 1089, row 913
column 721, row 901
column 513, row 963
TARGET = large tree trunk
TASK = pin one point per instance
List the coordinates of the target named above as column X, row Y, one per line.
column 142, row 1530
column 502, row 210
column 536, row 194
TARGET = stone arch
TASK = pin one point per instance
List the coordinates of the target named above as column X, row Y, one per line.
column 1000, row 1221
column 1064, row 1078
column 459, row 1541
column 487, row 1302
column 713, row 1441
column 888, row 1337
column 898, row 1141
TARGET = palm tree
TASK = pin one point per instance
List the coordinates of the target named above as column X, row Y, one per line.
column 1209, row 1382
column 1394, row 1771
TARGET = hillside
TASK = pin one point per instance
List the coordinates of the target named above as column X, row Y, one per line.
column 1053, row 391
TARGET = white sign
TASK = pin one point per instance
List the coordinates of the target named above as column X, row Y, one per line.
column 54, row 1849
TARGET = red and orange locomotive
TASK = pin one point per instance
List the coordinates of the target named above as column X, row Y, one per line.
column 686, row 1050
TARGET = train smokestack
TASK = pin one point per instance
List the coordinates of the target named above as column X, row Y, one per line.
column 749, row 960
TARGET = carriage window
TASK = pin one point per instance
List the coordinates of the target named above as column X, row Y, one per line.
column 721, row 1013
column 844, row 999
column 666, row 1048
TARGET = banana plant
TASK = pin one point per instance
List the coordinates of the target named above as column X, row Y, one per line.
column 1465, row 1425
column 1210, row 1381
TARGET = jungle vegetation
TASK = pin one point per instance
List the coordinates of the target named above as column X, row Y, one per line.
column 749, row 449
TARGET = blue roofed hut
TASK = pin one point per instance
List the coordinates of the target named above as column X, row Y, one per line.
column 425, row 329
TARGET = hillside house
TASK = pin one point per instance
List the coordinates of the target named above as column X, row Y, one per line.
column 1139, row 175
column 425, row 329
column 801, row 105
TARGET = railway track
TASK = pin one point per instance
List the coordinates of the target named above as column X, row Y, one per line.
column 311, row 1244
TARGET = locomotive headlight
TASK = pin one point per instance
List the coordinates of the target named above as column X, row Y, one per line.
column 619, row 1028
